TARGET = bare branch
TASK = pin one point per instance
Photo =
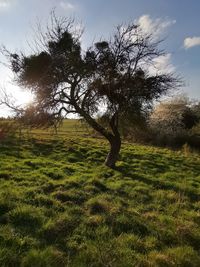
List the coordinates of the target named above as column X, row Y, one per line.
column 8, row 101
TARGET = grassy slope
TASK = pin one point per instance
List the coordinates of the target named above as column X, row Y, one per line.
column 59, row 206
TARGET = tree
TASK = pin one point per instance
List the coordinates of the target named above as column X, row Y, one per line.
column 196, row 110
column 174, row 116
column 110, row 77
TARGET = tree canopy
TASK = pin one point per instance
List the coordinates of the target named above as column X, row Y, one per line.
column 110, row 77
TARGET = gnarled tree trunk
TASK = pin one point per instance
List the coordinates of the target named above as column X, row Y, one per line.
column 115, row 143
column 112, row 157
column 113, row 138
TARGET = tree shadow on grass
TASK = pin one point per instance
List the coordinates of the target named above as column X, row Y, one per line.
column 156, row 183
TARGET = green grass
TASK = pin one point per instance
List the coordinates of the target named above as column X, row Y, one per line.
column 68, row 128
column 60, row 206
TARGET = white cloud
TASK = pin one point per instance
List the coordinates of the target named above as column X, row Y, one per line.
column 4, row 4
column 66, row 5
column 157, row 26
column 191, row 41
column 161, row 64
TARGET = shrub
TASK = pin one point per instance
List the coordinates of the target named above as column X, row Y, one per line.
column 171, row 121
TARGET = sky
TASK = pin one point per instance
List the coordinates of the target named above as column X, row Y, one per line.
column 175, row 21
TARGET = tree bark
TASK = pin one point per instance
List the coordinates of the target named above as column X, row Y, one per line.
column 112, row 157
column 115, row 143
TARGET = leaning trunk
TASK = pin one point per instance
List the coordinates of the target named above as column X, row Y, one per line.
column 113, row 138
column 115, row 145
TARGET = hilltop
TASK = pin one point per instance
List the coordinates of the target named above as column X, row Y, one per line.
column 60, row 206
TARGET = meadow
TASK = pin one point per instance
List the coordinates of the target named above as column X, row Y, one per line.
column 60, row 206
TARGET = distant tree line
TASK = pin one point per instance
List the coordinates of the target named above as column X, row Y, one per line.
column 173, row 122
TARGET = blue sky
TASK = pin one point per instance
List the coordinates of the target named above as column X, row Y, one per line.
column 175, row 20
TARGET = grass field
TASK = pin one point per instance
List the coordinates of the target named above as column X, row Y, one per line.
column 60, row 206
